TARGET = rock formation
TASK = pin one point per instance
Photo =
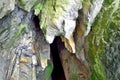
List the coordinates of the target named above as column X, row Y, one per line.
column 59, row 40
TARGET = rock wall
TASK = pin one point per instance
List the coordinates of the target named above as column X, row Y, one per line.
column 88, row 44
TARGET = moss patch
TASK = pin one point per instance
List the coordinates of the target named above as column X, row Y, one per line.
column 99, row 38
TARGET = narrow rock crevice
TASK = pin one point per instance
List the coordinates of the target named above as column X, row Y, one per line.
column 36, row 23
column 58, row 73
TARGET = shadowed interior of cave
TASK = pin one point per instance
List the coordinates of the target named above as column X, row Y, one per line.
column 58, row 73
column 36, row 23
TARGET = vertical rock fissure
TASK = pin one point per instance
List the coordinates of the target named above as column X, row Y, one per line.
column 58, row 73
column 36, row 23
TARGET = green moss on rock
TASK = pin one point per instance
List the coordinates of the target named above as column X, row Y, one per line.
column 100, row 38
column 16, row 35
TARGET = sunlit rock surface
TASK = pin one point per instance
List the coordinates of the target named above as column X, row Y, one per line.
column 27, row 4
column 6, row 6
column 60, row 19
column 95, row 8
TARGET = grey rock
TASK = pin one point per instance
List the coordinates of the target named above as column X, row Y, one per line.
column 27, row 4
column 95, row 8
column 13, row 37
column 6, row 6
column 64, row 22
column 60, row 20
column 22, row 48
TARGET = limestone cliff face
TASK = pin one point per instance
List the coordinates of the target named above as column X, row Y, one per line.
column 60, row 20
column 59, row 39
column 20, row 48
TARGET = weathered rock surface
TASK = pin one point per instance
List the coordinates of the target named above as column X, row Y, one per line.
column 21, row 50
column 88, row 28
column 27, row 5
column 60, row 20
column 15, row 47
column 6, row 6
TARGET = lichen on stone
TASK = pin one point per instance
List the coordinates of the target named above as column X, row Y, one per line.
column 59, row 18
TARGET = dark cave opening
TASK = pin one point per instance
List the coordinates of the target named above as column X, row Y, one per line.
column 58, row 73
column 36, row 23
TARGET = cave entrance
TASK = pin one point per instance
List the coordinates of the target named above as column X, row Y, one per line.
column 58, row 73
